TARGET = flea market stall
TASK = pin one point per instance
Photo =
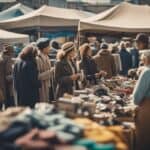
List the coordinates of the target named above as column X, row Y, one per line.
column 96, row 118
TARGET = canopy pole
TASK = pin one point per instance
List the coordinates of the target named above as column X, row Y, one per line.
column 78, row 40
column 78, row 35
column 39, row 34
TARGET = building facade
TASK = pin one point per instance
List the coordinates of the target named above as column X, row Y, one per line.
column 95, row 6
column 33, row 3
column 38, row 3
column 58, row 3
column 144, row 2
column 88, row 5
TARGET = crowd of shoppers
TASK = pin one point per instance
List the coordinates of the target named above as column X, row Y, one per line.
column 33, row 78
column 30, row 78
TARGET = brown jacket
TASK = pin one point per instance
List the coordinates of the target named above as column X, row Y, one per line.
column 44, row 68
column 105, row 61
column 6, row 79
column 63, row 72
column 142, row 121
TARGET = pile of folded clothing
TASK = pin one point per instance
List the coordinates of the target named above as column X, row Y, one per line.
column 102, row 134
column 46, row 128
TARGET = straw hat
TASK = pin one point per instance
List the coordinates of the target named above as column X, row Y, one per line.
column 68, row 47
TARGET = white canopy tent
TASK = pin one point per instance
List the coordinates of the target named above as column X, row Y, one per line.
column 47, row 17
column 10, row 37
column 15, row 11
column 124, row 17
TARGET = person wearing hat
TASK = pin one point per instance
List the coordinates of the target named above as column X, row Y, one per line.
column 6, row 78
column 105, row 61
column 126, row 59
column 66, row 72
column 88, row 65
column 44, row 68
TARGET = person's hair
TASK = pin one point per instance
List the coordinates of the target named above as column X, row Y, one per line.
column 60, row 55
column 146, row 56
column 29, row 52
column 145, row 44
column 8, row 49
column 114, row 49
column 43, row 43
column 84, row 49
column 122, row 45
column 144, row 39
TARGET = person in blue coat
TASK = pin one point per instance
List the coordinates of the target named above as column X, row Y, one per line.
column 26, row 81
column 126, row 59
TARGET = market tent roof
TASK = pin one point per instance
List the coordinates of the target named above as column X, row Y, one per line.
column 95, row 2
column 47, row 17
column 7, row 1
column 15, row 11
column 10, row 37
column 124, row 17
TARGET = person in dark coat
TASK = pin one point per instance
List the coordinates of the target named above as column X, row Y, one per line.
column 66, row 75
column 26, row 81
column 88, row 65
column 126, row 59
column 135, row 57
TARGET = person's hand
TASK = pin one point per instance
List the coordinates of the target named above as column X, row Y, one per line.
column 103, row 73
column 28, row 143
column 75, row 77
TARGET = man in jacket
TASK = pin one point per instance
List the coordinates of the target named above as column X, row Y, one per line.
column 105, row 61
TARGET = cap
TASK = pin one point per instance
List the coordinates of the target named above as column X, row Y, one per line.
column 43, row 43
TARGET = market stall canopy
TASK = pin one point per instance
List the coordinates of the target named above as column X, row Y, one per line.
column 15, row 11
column 10, row 37
column 47, row 17
column 124, row 17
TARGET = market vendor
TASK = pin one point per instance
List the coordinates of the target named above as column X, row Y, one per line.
column 141, row 97
column 88, row 65
column 66, row 72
